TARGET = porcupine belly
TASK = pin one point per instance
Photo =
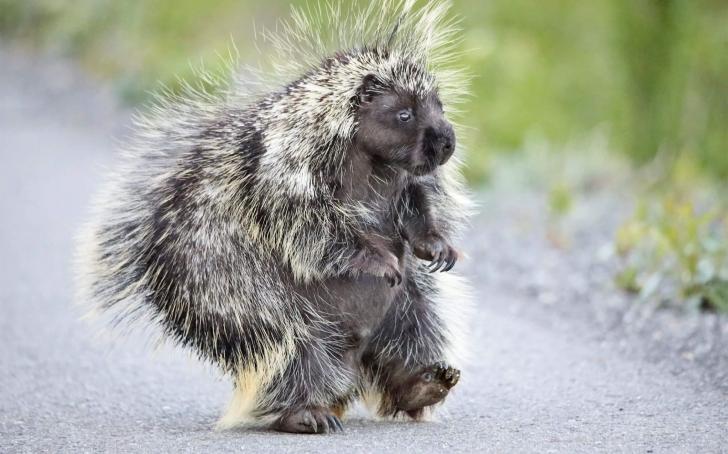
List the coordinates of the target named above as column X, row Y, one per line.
column 359, row 304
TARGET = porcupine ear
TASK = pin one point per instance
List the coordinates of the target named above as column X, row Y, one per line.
column 369, row 88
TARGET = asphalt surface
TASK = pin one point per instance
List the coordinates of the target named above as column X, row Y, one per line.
column 536, row 384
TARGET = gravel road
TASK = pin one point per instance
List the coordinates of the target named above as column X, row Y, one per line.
column 555, row 369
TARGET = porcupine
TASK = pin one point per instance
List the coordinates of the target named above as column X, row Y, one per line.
column 291, row 234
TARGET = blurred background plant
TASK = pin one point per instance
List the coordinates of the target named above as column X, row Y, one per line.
column 674, row 249
column 647, row 78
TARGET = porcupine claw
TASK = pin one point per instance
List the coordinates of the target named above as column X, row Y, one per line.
column 309, row 420
column 441, row 255
column 451, row 259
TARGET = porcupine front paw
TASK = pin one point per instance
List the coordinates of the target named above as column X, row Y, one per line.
column 435, row 248
column 428, row 387
column 378, row 262
column 309, row 421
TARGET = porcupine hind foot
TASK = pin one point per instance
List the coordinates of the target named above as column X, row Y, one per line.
column 429, row 386
column 314, row 420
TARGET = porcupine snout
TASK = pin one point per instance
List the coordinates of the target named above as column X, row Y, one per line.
column 440, row 143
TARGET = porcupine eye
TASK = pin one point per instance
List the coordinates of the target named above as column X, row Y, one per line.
column 405, row 115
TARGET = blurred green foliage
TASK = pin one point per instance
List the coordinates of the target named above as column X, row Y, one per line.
column 674, row 250
column 675, row 79
column 560, row 199
column 675, row 246
column 654, row 72
column 138, row 43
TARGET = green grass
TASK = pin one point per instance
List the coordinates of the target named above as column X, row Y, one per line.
column 674, row 249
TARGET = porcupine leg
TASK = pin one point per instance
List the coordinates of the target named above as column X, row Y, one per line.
column 403, row 362
column 316, row 382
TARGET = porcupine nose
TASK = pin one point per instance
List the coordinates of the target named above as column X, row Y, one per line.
column 446, row 144
column 440, row 144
